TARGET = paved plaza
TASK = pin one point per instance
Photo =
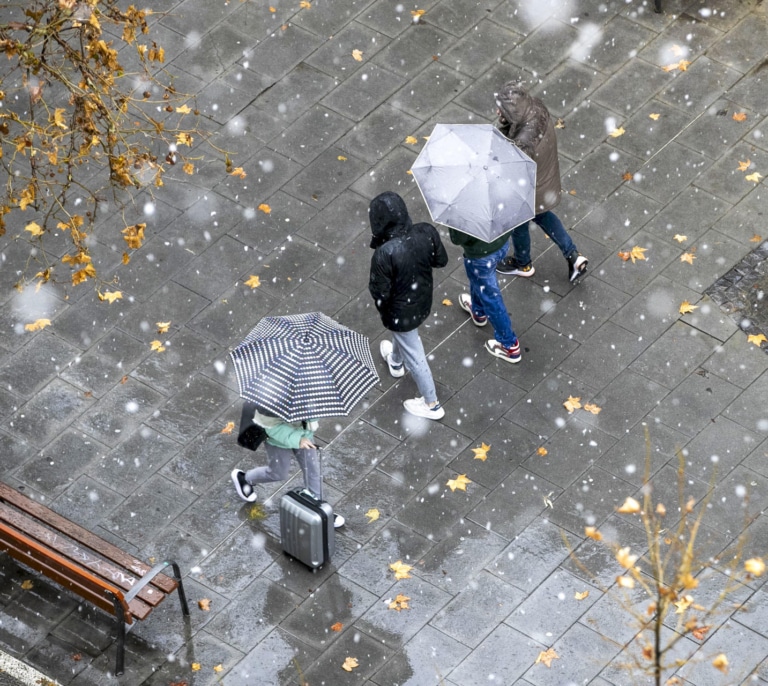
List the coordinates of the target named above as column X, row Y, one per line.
column 128, row 442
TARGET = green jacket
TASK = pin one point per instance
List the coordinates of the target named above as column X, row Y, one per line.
column 283, row 434
column 474, row 247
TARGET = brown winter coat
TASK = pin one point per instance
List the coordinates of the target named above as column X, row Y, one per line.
column 526, row 121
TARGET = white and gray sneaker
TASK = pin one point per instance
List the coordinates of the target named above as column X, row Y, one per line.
column 577, row 267
column 419, row 408
column 243, row 488
column 396, row 370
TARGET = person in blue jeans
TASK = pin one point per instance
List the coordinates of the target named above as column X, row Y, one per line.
column 484, row 302
column 526, row 121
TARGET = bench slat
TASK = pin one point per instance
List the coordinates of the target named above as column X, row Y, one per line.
column 83, row 536
column 63, row 572
column 77, row 555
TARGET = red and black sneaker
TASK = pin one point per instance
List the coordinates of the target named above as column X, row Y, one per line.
column 511, row 354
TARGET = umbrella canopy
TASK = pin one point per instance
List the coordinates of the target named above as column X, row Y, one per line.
column 473, row 179
column 304, row 366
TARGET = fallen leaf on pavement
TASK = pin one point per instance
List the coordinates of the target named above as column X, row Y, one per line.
column 654, row 116
column 593, row 533
column 157, row 346
column 625, row 558
column 162, row 327
column 721, row 663
column 541, row 451
column 204, row 604
column 372, row 514
column 228, row 428
column 617, row 132
column 688, row 257
column 686, row 307
column 349, row 664
column 266, row 209
column 411, row 140
column 630, row 506
column 399, row 603
column 460, row 483
column 680, row 238
column 447, row 302
column 743, row 166
column 481, row 453
column 195, row 666
column 357, row 55
column 739, row 116
column 572, row 404
column 253, row 281
column 757, row 339
column 337, row 627
column 401, row 570
column 109, row 296
column 683, row 604
column 218, row 668
column 27, row 585
column 581, row 596
column 546, row 657
column 700, row 632
column 756, row 238
column 754, row 566
column 594, row 409
column 755, row 178
column 37, row 325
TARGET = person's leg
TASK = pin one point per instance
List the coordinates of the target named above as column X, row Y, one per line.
column 521, row 244
column 486, row 295
column 278, row 467
column 552, row 226
column 309, row 461
column 407, row 347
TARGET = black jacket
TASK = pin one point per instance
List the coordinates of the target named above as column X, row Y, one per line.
column 401, row 267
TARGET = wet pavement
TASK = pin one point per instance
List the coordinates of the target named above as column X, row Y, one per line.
column 128, row 442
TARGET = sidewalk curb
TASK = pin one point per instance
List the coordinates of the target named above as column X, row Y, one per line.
column 14, row 672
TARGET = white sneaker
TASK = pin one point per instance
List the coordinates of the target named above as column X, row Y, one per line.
column 396, row 370
column 419, row 408
column 338, row 521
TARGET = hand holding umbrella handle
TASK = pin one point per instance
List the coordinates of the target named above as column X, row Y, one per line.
column 306, row 444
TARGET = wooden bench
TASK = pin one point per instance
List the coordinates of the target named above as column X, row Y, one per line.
column 87, row 565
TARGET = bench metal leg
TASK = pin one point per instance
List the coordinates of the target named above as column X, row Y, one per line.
column 180, row 589
column 657, row 6
column 120, row 658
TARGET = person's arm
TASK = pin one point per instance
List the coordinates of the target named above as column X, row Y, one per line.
column 526, row 137
column 288, row 435
column 439, row 255
column 380, row 282
column 458, row 237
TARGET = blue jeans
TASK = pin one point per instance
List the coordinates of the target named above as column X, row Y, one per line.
column 486, row 296
column 552, row 226
column 407, row 347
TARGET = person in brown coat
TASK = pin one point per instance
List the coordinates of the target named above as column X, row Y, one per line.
column 526, row 121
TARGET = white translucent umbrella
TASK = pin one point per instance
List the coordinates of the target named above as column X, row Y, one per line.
column 475, row 180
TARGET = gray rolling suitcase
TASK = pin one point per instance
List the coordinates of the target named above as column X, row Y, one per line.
column 306, row 528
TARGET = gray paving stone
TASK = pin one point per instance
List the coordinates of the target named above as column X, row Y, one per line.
column 608, row 56
column 737, row 49
column 371, row 652
column 24, row 309
column 690, row 214
column 27, row 371
column 698, row 87
column 749, row 93
column 478, row 49
column 685, row 37
column 310, row 134
column 724, row 179
column 717, row 449
column 317, row 185
column 626, row 90
column 695, row 403
column 646, row 135
column 568, row 85
column 347, row 271
column 736, row 499
column 424, row 660
column 545, row 47
column 378, row 133
column 600, row 173
column 584, row 128
column 466, row 617
column 335, row 58
column 426, row 93
column 85, row 501
column 412, row 50
column 675, row 354
column 756, row 461
column 716, row 131
column 712, row 320
column 331, row 18
column 744, row 221
column 282, row 50
column 478, row 97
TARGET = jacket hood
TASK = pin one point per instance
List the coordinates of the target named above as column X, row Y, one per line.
column 388, row 216
column 514, row 101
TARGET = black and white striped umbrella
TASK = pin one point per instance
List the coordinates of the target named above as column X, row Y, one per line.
column 304, row 366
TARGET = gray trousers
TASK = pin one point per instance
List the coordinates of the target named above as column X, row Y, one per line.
column 407, row 347
column 279, row 468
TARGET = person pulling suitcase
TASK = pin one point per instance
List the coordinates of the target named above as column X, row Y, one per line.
column 284, row 441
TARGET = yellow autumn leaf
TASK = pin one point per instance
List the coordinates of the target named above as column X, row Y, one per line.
column 637, row 253
column 411, row 140
column 593, row 533
column 110, row 296
column 630, row 506
column 341, row 158
column 541, row 450
column 218, row 668
column 546, row 656
column 683, row 604
column 680, row 238
column 34, row 228
column 204, row 604
column 228, row 428
column 266, row 209
column 754, row 566
column 351, row 662
column 756, row 238
column 399, row 603
column 654, row 116
column 37, row 325
column 757, row 339
column 447, row 302
column 157, row 346
column 58, row 118
column 417, row 13
column 162, row 327
column 688, row 257
column 581, row 596
column 401, row 570
column 721, row 662
column 338, row 626
column 739, row 116
column 594, row 409
column 357, row 55
column 573, row 403
column 460, row 483
column 372, row 514
column 195, row 666
column 481, row 453
column 686, row 307
column 253, row 281
column 625, row 558
column 87, row 272
column 27, row 585
column 134, row 235
column 661, row 510
column 743, row 166
column 625, row 581
column 238, row 172
column 188, row 168
column 184, row 109
column 183, row 138
column 617, row 132
column 755, row 178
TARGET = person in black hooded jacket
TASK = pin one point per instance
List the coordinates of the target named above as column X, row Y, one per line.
column 401, row 286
